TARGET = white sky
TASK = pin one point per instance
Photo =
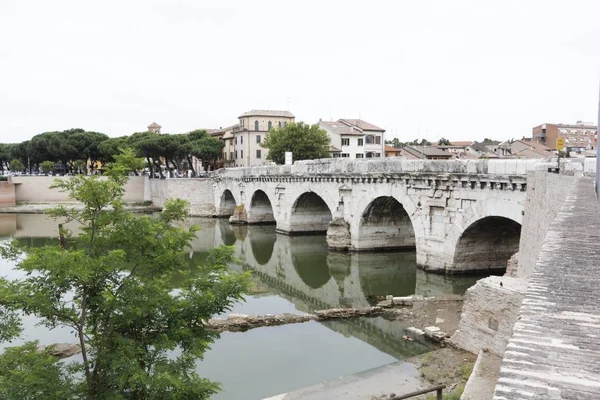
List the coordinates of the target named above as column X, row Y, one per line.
column 460, row 69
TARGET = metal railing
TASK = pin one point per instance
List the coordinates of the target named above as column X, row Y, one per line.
column 436, row 389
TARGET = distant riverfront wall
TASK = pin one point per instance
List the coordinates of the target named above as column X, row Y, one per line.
column 36, row 189
column 198, row 192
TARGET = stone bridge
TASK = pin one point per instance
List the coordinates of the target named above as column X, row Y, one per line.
column 461, row 216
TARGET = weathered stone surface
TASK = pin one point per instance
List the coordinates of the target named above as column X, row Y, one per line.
column 61, row 350
column 482, row 381
column 512, row 265
column 416, row 331
column 554, row 349
column 546, row 194
column 489, row 313
column 338, row 234
column 241, row 322
column 239, row 215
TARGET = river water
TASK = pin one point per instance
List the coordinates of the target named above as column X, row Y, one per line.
column 290, row 274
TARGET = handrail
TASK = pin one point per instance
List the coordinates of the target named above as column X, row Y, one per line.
column 438, row 389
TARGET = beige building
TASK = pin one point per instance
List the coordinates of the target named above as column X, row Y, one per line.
column 226, row 135
column 581, row 135
column 354, row 138
column 250, row 133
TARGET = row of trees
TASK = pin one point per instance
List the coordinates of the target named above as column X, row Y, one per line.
column 397, row 143
column 75, row 149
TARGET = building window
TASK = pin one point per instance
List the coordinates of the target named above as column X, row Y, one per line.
column 370, row 139
column 236, row 140
column 369, row 155
column 336, row 155
column 270, row 126
column 360, row 155
column 255, row 125
column 258, row 155
column 279, row 124
column 257, row 138
column 236, row 154
column 242, row 154
column 231, row 155
column 377, row 155
column 241, row 140
column 346, row 142
column 345, row 155
column 377, row 139
column 360, row 141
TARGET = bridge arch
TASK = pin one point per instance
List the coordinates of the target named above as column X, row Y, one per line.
column 227, row 204
column 310, row 213
column 261, row 209
column 385, row 224
column 486, row 245
column 386, row 219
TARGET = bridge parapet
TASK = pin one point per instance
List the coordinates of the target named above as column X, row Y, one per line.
column 386, row 166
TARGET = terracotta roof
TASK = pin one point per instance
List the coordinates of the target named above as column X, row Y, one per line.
column 341, row 129
column 392, row 149
column 454, row 144
column 334, row 149
column 427, row 151
column 154, row 125
column 359, row 123
column 267, row 113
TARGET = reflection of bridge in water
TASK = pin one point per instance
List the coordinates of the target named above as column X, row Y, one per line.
column 302, row 270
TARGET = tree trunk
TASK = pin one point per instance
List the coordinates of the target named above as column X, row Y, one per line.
column 150, row 169
column 158, row 166
column 191, row 164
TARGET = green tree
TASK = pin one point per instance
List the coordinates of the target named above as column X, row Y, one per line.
column 208, row 149
column 16, row 165
column 47, row 166
column 129, row 160
column 80, row 166
column 306, row 142
column 394, row 142
column 444, row 142
column 112, row 285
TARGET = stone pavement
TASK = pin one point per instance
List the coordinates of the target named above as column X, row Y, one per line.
column 554, row 351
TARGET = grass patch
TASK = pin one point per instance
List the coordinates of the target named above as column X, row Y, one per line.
column 454, row 395
column 146, row 203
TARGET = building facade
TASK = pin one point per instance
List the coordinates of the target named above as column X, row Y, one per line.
column 581, row 135
column 248, row 135
column 355, row 138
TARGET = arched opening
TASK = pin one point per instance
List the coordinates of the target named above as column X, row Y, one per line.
column 227, row 204
column 255, row 125
column 385, row 225
column 262, row 242
column 261, row 211
column 383, row 274
column 486, row 245
column 309, row 258
column 310, row 214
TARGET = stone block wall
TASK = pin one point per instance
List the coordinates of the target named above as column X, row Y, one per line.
column 489, row 313
column 198, row 192
column 546, row 194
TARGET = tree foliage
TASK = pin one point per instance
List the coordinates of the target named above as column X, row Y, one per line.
column 444, row 142
column 306, row 142
column 112, row 285
column 16, row 165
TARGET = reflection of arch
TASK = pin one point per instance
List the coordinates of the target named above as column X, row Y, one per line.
column 227, row 234
column 262, row 243
column 386, row 224
column 310, row 213
column 261, row 210
column 387, row 273
column 228, row 204
column 487, row 244
column 309, row 258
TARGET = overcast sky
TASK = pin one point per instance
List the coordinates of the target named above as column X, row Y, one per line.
column 459, row 69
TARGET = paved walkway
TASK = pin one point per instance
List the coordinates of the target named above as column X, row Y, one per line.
column 554, row 352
